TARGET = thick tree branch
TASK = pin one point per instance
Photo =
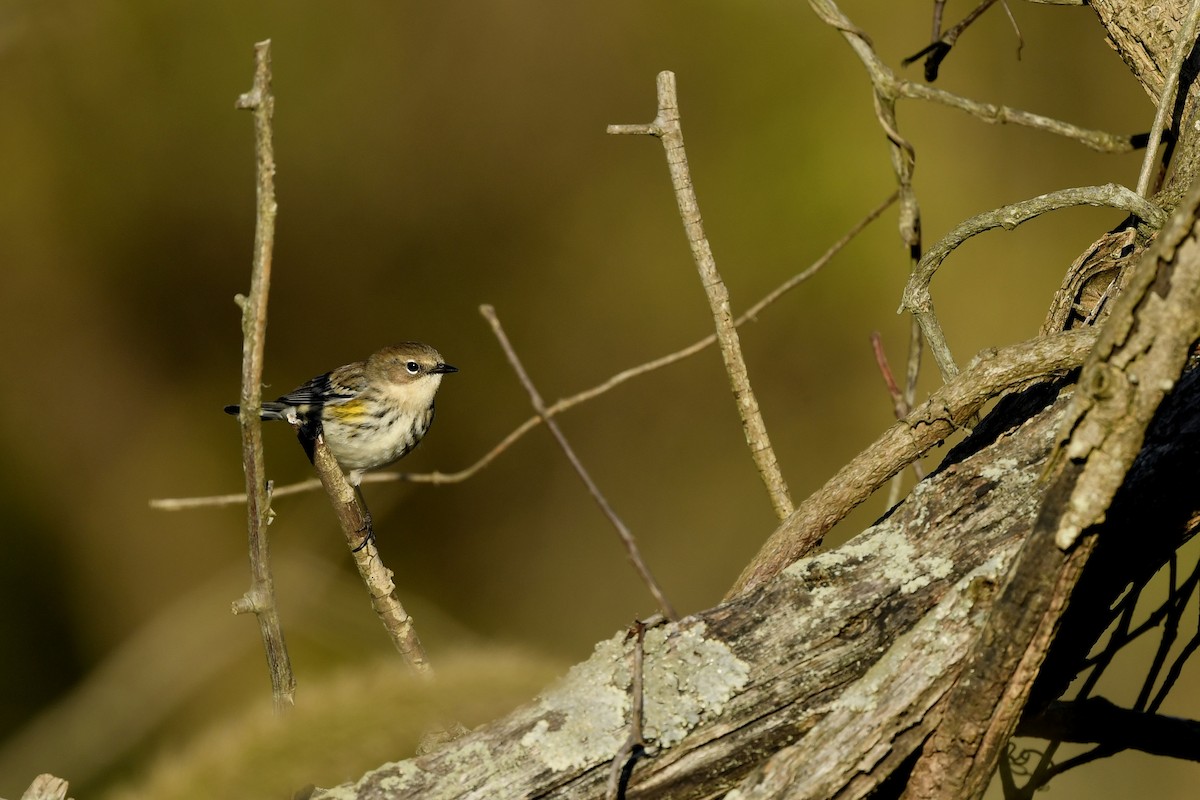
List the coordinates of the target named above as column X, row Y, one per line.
column 818, row 658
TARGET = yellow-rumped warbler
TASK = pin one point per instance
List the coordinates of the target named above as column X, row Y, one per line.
column 371, row 412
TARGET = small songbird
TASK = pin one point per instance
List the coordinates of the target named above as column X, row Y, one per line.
column 371, row 412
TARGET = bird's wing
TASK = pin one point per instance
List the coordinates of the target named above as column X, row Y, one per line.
column 338, row 386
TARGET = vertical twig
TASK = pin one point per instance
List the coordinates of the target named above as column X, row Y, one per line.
column 635, row 742
column 539, row 406
column 1183, row 46
column 666, row 127
column 901, row 405
column 355, row 523
column 261, row 596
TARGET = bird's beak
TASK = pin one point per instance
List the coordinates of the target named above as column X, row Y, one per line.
column 443, row 368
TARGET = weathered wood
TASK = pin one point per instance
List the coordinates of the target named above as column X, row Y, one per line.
column 851, row 649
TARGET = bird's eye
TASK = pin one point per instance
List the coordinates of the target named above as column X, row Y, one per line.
column 412, row 367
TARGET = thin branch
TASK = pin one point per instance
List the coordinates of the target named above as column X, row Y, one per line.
column 1177, row 605
column 916, row 294
column 940, row 47
column 994, row 114
column 626, row 757
column 355, row 522
column 751, row 314
column 899, row 405
column 1012, row 20
column 1183, row 45
column 668, row 129
column 260, row 598
column 900, row 409
column 535, row 398
column 925, row 427
column 886, row 82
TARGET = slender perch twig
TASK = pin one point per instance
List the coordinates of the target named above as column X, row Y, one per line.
column 181, row 503
column 261, row 596
column 667, row 128
column 356, row 525
column 535, row 398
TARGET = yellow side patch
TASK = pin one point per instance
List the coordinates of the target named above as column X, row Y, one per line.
column 346, row 412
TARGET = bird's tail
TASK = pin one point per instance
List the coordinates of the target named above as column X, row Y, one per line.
column 270, row 410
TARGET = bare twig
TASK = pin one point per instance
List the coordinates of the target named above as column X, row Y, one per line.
column 751, row 314
column 899, row 404
column 940, row 47
column 535, row 398
column 1166, row 100
column 355, row 523
column 916, row 294
column 925, row 427
column 260, row 598
column 624, row 760
column 1012, row 20
column 886, row 82
column 667, row 128
column 900, row 408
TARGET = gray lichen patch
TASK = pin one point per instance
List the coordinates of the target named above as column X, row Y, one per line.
column 585, row 712
column 687, row 678
column 884, row 543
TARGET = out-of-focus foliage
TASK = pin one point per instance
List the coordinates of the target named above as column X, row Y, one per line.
column 432, row 157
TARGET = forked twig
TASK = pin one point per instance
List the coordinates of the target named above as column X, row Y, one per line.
column 942, row 43
column 886, row 82
column 916, row 294
column 535, row 398
column 260, row 598
column 667, row 128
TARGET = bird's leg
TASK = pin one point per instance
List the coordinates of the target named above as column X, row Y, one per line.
column 368, row 528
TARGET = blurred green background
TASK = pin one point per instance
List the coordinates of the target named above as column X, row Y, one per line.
column 433, row 157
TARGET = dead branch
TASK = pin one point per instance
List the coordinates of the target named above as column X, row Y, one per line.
column 260, row 598
column 630, row 544
column 668, row 129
